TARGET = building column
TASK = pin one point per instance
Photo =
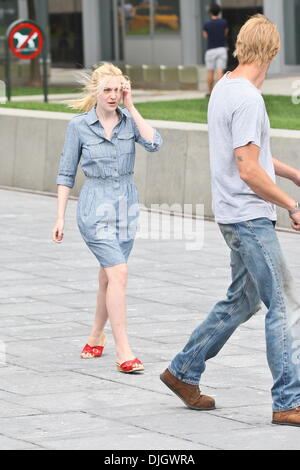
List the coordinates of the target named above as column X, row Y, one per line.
column 193, row 16
column 92, row 50
column 274, row 10
column 22, row 10
column 189, row 31
column 106, row 30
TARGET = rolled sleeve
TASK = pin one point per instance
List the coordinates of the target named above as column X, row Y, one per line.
column 150, row 146
column 70, row 157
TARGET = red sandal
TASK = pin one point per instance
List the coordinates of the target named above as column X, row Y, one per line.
column 92, row 352
column 127, row 367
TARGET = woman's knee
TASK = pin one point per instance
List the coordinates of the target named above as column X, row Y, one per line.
column 103, row 280
column 118, row 274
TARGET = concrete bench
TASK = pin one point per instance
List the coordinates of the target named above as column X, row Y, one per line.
column 167, row 78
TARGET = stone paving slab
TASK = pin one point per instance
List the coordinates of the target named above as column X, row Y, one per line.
column 52, row 399
column 7, row 443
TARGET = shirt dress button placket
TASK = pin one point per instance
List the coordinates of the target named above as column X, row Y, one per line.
column 116, row 182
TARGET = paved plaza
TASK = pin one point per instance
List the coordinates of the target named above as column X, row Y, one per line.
column 51, row 399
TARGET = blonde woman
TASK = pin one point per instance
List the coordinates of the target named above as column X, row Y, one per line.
column 102, row 139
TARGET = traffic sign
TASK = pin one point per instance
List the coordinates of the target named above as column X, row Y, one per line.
column 26, row 40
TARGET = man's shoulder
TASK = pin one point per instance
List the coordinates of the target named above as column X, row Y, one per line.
column 251, row 96
column 236, row 95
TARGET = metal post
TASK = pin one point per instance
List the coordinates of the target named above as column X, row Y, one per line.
column 7, row 69
column 45, row 69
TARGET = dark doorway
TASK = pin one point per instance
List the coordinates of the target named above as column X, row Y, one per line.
column 66, row 39
column 236, row 17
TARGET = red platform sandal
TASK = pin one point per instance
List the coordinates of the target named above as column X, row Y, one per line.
column 92, row 352
column 130, row 366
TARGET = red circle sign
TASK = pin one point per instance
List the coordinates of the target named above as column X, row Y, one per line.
column 26, row 40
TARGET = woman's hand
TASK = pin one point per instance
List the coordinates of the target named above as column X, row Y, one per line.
column 127, row 96
column 58, row 231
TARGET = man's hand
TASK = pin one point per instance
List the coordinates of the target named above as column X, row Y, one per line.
column 296, row 221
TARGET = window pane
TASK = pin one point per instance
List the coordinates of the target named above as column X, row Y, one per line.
column 137, row 15
column 292, row 32
column 167, row 16
column 8, row 14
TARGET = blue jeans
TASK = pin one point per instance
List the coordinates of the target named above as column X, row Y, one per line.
column 259, row 273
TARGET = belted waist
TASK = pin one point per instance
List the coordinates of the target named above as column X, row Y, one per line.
column 112, row 179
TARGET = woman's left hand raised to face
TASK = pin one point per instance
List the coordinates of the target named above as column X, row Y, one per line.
column 127, row 95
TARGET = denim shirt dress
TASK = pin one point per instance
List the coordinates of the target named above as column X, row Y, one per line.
column 108, row 204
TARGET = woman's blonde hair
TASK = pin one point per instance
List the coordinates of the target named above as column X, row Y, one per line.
column 93, row 83
column 258, row 41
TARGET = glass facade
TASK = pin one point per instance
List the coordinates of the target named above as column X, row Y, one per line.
column 237, row 12
column 8, row 14
column 66, row 35
column 292, row 32
column 149, row 17
column 167, row 16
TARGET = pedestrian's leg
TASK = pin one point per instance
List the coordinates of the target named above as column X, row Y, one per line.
column 116, row 308
column 210, row 80
column 101, row 316
column 209, row 338
column 97, row 336
column 263, row 256
column 220, row 74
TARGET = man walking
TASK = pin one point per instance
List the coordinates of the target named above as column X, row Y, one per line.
column 215, row 30
column 244, row 198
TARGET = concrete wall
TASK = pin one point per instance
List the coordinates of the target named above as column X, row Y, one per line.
column 32, row 141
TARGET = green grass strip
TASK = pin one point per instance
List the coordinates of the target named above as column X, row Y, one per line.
column 282, row 112
column 29, row 91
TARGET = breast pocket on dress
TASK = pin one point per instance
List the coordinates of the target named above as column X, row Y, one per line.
column 98, row 149
column 126, row 142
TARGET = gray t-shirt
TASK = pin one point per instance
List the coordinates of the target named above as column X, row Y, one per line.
column 237, row 116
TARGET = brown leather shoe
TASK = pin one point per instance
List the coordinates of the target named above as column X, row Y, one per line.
column 287, row 418
column 189, row 394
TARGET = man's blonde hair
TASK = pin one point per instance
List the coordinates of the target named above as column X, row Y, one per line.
column 258, row 41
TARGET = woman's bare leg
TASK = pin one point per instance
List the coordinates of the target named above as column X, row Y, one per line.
column 116, row 307
column 101, row 316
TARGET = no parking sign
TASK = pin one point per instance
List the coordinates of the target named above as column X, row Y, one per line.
column 26, row 40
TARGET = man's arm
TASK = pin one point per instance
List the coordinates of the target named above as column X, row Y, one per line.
column 205, row 34
column 287, row 171
column 259, row 181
